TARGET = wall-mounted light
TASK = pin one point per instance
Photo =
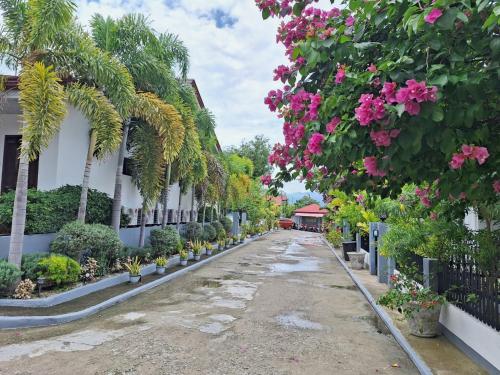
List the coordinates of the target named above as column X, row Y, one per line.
column 375, row 233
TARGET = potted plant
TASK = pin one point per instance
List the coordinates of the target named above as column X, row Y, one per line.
column 243, row 235
column 235, row 240
column 209, row 248
column 227, row 242
column 134, row 270
column 161, row 263
column 196, row 246
column 420, row 306
column 221, row 244
column 184, row 255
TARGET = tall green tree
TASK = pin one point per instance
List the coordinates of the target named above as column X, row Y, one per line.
column 257, row 150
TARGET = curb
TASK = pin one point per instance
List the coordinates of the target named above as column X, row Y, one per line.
column 419, row 363
column 10, row 322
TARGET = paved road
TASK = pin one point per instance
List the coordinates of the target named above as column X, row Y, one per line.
column 281, row 305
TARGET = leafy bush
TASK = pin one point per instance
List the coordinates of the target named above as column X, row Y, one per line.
column 209, row 233
column 98, row 241
column 164, row 241
column 9, row 274
column 144, row 254
column 60, row 269
column 29, row 265
column 219, row 229
column 334, row 237
column 227, row 223
column 194, row 231
column 49, row 211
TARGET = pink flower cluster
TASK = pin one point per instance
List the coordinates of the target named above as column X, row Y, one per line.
column 293, row 133
column 332, row 125
column 304, row 101
column 340, row 76
column 273, row 99
column 282, row 73
column 280, row 155
column 496, row 186
column 314, row 144
column 383, row 138
column 370, row 163
column 371, row 109
column 469, row 152
column 415, row 93
column 266, row 180
column 433, row 16
column 424, row 194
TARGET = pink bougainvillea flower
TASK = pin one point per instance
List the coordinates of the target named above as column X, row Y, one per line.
column 266, row 180
column 332, row 125
column 457, row 161
column 496, row 186
column 372, row 68
column 340, row 76
column 413, row 108
column 418, row 90
column 403, row 95
column 381, row 138
column 433, row 216
column 323, row 170
column 467, row 150
column 480, row 154
column 350, row 21
column 426, row 201
column 314, row 144
column 370, row 163
column 433, row 16
column 389, row 92
column 360, row 198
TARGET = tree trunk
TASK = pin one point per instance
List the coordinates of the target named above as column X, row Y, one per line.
column 117, row 198
column 211, row 214
column 143, row 225
column 204, row 210
column 86, row 177
column 19, row 213
column 192, row 203
column 179, row 208
column 166, row 189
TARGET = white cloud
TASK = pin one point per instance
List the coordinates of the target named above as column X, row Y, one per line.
column 233, row 66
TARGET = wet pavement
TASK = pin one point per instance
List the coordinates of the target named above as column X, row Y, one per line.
column 280, row 305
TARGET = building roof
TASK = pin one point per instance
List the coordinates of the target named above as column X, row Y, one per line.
column 279, row 200
column 312, row 210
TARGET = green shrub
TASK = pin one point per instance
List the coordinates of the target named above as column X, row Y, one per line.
column 164, row 241
column 59, row 269
column 98, row 241
column 334, row 237
column 9, row 274
column 144, row 254
column 227, row 223
column 49, row 211
column 194, row 231
column 219, row 229
column 29, row 265
column 209, row 233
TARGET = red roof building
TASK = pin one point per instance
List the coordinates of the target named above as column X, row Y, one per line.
column 309, row 217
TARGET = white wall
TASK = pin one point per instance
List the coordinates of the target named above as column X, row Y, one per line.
column 63, row 163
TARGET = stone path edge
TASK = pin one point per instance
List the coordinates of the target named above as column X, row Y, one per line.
column 13, row 322
column 419, row 363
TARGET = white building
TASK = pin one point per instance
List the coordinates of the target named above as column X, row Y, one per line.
column 63, row 161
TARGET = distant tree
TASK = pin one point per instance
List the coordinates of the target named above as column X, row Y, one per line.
column 305, row 201
column 257, row 150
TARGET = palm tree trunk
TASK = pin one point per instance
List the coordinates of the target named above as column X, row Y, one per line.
column 19, row 213
column 192, row 203
column 166, row 189
column 117, row 198
column 204, row 209
column 179, row 208
column 211, row 214
column 143, row 225
column 86, row 177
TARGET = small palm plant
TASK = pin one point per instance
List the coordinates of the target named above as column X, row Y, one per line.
column 161, row 263
column 134, row 270
column 208, row 247
column 197, row 246
column 184, row 255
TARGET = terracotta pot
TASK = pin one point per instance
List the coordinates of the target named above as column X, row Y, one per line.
column 424, row 322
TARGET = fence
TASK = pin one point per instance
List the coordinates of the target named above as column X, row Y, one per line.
column 472, row 289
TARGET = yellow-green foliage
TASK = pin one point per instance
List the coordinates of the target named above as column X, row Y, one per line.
column 59, row 269
column 334, row 237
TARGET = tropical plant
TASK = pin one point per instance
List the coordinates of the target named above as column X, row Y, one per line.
column 208, row 246
column 161, row 261
column 41, row 40
column 196, row 246
column 134, row 267
column 9, row 274
column 334, row 237
column 59, row 269
column 183, row 254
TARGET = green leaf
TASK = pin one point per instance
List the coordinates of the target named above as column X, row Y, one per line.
column 297, row 8
column 400, row 108
column 266, row 13
column 447, row 20
column 437, row 114
column 440, row 80
column 344, row 39
column 365, row 45
column 461, row 16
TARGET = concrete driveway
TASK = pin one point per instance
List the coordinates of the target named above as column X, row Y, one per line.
column 280, row 305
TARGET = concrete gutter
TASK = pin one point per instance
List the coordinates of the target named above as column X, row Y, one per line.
column 10, row 322
column 419, row 363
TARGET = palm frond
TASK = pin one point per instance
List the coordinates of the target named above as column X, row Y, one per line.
column 41, row 98
column 173, row 50
column 147, row 161
column 104, row 120
column 187, row 95
column 14, row 17
column 47, row 18
column 165, row 119
column 104, row 32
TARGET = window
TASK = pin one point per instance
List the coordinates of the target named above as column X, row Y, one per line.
column 127, row 167
column 170, row 215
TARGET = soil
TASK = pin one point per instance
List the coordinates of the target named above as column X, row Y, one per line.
column 280, row 305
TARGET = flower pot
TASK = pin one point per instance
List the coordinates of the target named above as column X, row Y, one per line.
column 242, row 240
column 357, row 260
column 347, row 247
column 209, row 252
column 203, row 251
column 221, row 247
column 197, row 257
column 423, row 322
column 191, row 255
column 160, row 270
column 184, row 262
column 134, row 279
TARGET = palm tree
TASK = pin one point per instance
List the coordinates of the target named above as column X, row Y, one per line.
column 42, row 42
column 151, row 59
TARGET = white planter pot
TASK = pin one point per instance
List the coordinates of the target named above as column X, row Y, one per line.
column 209, row 252
column 191, row 255
column 160, row 270
column 424, row 322
column 357, row 260
column 134, row 279
column 184, row 262
column 197, row 257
